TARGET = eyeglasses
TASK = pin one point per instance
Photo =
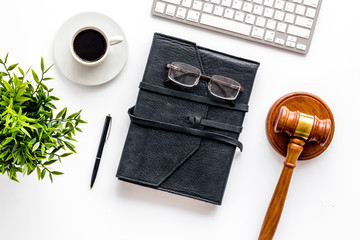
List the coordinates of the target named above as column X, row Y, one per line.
column 189, row 76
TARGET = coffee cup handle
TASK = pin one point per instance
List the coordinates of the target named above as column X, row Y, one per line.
column 115, row 40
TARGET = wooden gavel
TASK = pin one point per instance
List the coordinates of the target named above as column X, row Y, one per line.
column 301, row 128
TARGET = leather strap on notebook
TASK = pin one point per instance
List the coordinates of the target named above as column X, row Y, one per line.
column 214, row 124
column 181, row 129
column 192, row 97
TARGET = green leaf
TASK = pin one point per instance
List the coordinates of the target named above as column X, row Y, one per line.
column 51, row 105
column 42, row 64
column 74, row 115
column 43, row 172
column 54, row 98
column 50, row 162
column 57, row 173
column 21, row 71
column 6, row 141
column 8, row 87
column 70, row 146
column 80, row 121
column 25, row 169
column 66, row 154
column 61, row 113
column 35, row 76
column 22, row 99
column 51, row 178
column 25, row 132
column 2, row 74
column 3, row 154
column 52, row 155
column 6, row 57
column 11, row 67
column 38, row 172
column 43, row 149
column 48, row 68
column 36, row 146
column 14, row 179
column 27, row 71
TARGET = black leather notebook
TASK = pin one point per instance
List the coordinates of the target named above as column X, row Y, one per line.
column 183, row 139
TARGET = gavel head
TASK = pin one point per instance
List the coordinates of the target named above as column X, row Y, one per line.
column 307, row 127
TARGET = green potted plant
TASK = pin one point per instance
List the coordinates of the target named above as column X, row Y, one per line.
column 32, row 137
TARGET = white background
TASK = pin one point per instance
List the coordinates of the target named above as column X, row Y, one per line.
column 323, row 200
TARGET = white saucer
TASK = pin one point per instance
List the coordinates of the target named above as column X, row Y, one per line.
column 78, row 73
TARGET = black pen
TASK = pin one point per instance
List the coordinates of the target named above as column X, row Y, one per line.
column 103, row 139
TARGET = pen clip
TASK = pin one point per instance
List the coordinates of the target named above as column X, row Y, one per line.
column 108, row 132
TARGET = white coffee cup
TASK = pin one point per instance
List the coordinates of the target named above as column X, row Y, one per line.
column 90, row 45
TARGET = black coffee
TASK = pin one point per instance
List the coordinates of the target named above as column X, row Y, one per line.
column 90, row 45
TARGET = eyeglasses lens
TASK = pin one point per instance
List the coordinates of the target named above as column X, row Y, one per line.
column 224, row 87
column 184, row 74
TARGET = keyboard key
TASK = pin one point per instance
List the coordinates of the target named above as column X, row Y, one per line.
column 239, row 16
column 279, row 4
column 170, row 10
column 226, row 3
column 297, row 1
column 186, row 3
column 269, row 36
column 258, row 33
column 247, row 7
column 300, row 10
column 181, row 13
column 215, row 1
column 218, row 10
column 269, row 12
column 279, row 15
column 226, row 24
column 237, row 4
column 197, row 5
column 258, row 1
column 304, row 22
column 310, row 12
column 258, row 10
column 271, row 24
column 290, row 44
column 279, row 41
column 292, row 38
column 268, row 3
column 289, row 7
column 289, row 18
column 301, row 46
column 298, row 31
column 311, row 3
column 193, row 16
column 229, row 13
column 177, row 2
column 281, row 27
column 250, row 19
column 160, row 7
column 208, row 8
column 260, row 21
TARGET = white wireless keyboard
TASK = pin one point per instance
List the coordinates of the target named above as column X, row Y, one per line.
column 286, row 24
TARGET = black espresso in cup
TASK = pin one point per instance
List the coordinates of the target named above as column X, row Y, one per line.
column 90, row 45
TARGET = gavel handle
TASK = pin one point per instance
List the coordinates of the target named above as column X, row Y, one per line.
column 276, row 206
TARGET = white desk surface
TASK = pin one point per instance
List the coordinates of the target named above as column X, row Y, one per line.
column 324, row 195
